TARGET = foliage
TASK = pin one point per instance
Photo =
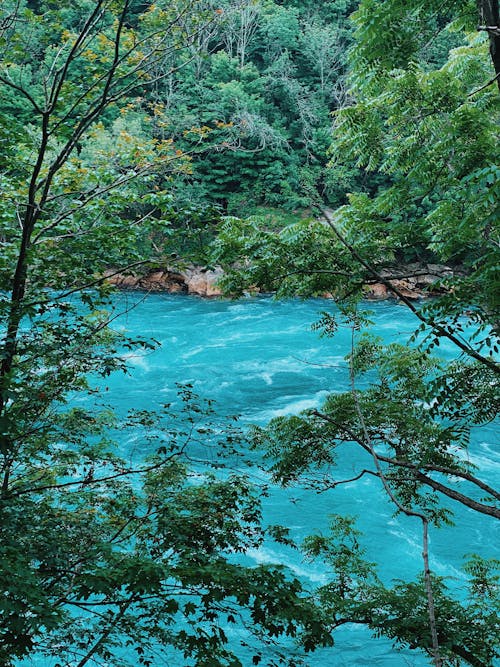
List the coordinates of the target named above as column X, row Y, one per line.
column 356, row 595
column 103, row 552
column 254, row 82
column 124, row 130
column 426, row 126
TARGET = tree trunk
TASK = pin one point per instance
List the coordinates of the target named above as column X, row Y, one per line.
column 490, row 22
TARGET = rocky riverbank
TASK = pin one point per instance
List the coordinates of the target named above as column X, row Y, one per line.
column 195, row 280
column 412, row 281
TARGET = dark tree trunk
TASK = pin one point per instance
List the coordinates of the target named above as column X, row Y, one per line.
column 490, row 21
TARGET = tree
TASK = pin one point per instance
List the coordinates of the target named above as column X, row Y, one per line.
column 100, row 551
column 323, row 50
column 430, row 127
column 489, row 21
column 265, row 116
column 239, row 24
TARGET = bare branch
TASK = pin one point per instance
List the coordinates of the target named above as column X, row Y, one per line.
column 93, row 481
column 486, row 85
column 20, row 89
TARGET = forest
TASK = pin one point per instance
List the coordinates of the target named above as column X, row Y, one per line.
column 330, row 151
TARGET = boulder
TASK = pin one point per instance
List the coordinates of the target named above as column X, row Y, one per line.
column 405, row 289
column 196, row 281
column 213, row 278
column 175, row 287
column 440, row 270
column 201, row 282
column 377, row 292
column 129, row 282
column 156, row 277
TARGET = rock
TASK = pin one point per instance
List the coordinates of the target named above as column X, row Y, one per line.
column 196, row 282
column 405, row 289
column 156, row 277
column 175, row 288
column 201, row 282
column 157, row 281
column 377, row 291
column 175, row 277
column 416, row 280
column 213, row 278
column 127, row 281
column 160, row 281
column 426, row 280
column 109, row 273
column 440, row 270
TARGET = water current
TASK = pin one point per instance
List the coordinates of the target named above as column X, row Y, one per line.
column 259, row 358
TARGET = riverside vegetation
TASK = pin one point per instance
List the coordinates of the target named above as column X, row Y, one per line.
column 198, row 131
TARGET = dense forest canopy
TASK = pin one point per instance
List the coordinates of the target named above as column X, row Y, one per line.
column 309, row 148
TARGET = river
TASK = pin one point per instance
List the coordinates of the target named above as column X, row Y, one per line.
column 259, row 358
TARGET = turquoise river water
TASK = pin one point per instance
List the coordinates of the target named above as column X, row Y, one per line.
column 259, row 358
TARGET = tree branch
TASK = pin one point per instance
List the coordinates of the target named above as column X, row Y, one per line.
column 440, row 330
column 425, row 479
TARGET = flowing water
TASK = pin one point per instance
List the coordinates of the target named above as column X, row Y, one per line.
column 259, row 358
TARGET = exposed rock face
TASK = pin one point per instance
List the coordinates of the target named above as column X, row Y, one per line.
column 194, row 280
column 413, row 281
column 202, row 282
column 377, row 291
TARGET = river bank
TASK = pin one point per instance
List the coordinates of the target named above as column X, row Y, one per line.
column 412, row 281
